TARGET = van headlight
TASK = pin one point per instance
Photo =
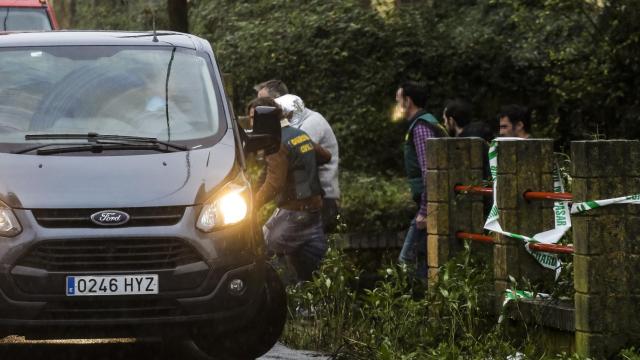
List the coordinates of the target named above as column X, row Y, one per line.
column 229, row 206
column 9, row 225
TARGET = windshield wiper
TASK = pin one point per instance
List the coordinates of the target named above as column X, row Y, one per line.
column 94, row 148
column 98, row 138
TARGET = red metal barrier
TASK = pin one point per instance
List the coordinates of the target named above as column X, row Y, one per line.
column 550, row 248
column 539, row 195
column 473, row 189
column 529, row 195
column 475, row 237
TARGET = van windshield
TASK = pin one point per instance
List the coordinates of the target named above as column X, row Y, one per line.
column 161, row 92
column 24, row 19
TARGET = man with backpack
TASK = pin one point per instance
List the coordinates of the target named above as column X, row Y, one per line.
column 411, row 97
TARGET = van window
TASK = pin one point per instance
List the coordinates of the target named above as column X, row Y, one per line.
column 24, row 19
column 162, row 92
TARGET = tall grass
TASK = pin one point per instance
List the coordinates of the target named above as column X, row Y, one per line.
column 398, row 319
column 395, row 319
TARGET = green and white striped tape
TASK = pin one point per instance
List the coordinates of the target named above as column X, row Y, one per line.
column 515, row 295
column 560, row 209
column 577, row 208
column 561, row 213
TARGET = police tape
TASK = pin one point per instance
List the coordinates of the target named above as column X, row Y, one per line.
column 561, row 213
column 562, row 219
column 577, row 208
column 517, row 295
column 513, row 295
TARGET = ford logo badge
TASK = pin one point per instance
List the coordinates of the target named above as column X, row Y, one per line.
column 110, row 218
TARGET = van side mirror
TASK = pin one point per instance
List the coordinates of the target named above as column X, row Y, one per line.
column 266, row 132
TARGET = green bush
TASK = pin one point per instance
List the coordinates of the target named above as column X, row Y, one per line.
column 565, row 59
column 334, row 54
column 391, row 320
column 570, row 60
column 374, row 204
column 369, row 204
column 118, row 15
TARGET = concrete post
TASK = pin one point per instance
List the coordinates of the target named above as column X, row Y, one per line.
column 523, row 165
column 451, row 161
column 607, row 247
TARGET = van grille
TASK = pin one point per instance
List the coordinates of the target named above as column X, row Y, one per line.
column 120, row 254
column 90, row 309
column 81, row 218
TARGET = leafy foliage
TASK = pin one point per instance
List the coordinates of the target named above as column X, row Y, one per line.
column 452, row 320
column 572, row 61
column 374, row 204
column 390, row 321
column 115, row 15
column 334, row 54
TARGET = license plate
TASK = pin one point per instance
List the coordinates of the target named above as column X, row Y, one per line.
column 112, row 285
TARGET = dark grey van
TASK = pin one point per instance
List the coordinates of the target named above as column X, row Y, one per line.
column 124, row 208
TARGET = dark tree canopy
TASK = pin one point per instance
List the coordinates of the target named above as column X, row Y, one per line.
column 573, row 62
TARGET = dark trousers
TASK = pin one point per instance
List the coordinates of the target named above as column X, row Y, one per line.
column 329, row 215
column 297, row 240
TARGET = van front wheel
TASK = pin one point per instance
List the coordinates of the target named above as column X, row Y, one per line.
column 258, row 336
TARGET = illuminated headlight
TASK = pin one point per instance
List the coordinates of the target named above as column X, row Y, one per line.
column 230, row 206
column 9, row 225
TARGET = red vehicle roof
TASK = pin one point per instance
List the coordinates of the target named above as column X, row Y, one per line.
column 33, row 4
column 23, row 3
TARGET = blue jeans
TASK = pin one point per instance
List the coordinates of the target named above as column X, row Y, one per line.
column 297, row 240
column 414, row 249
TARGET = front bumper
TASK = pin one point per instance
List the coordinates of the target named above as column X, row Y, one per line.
column 33, row 300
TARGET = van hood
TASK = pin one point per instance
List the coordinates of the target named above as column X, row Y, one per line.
column 162, row 179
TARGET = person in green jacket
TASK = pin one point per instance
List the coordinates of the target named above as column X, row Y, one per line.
column 411, row 97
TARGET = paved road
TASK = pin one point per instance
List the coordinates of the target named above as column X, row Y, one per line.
column 14, row 348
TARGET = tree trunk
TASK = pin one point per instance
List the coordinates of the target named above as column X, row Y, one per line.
column 178, row 15
column 65, row 12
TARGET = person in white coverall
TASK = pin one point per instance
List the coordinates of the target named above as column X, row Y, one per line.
column 317, row 127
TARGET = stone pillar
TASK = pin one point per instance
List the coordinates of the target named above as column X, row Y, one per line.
column 607, row 247
column 452, row 161
column 523, row 165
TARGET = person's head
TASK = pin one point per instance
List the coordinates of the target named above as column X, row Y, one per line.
column 478, row 129
column 457, row 114
column 291, row 105
column 262, row 101
column 411, row 97
column 515, row 121
column 271, row 88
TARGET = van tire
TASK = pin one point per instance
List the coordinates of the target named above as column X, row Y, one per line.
column 259, row 335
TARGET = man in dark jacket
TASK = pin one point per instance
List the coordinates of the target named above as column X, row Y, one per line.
column 411, row 97
column 457, row 116
column 294, row 231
